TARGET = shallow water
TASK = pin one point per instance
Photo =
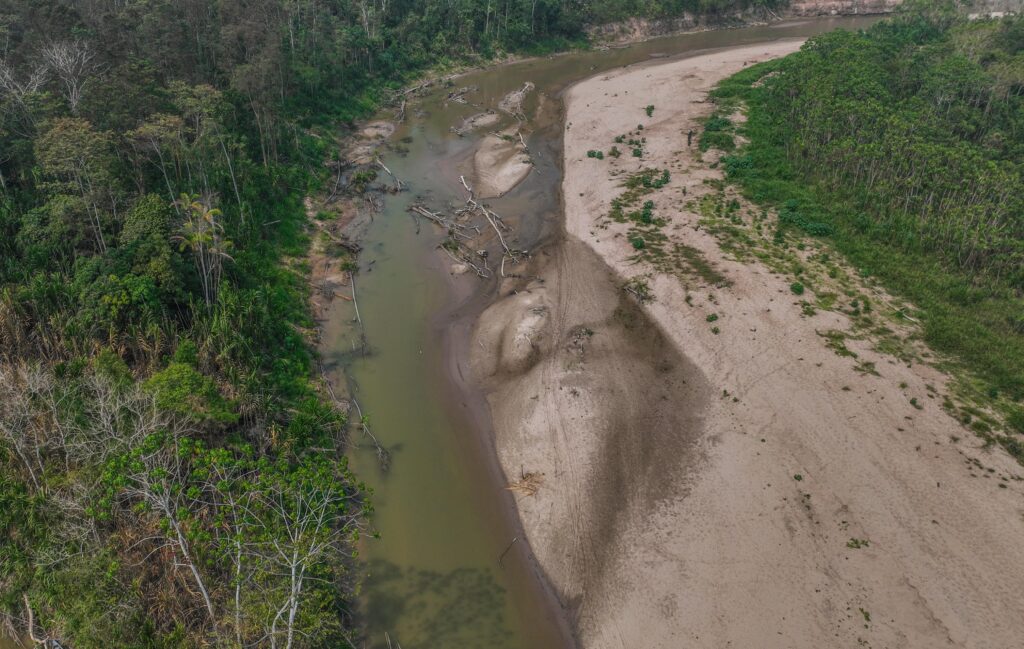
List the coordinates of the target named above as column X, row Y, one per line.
column 442, row 513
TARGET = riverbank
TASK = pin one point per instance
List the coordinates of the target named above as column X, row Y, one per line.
column 724, row 477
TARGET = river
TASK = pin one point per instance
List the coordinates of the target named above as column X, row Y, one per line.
column 441, row 510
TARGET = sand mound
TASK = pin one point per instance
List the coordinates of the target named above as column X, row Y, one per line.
column 479, row 120
column 366, row 142
column 500, row 163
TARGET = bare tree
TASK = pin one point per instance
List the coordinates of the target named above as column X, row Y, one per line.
column 18, row 89
column 159, row 468
column 306, row 519
column 74, row 62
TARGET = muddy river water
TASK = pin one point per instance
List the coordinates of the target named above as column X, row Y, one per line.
column 450, row 568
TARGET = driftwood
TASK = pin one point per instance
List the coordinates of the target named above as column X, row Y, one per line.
column 502, row 557
column 398, row 181
column 422, row 86
column 457, row 232
column 453, row 228
column 494, row 220
column 342, row 242
column 352, row 278
column 458, row 96
column 483, row 273
column 382, row 453
column 512, row 103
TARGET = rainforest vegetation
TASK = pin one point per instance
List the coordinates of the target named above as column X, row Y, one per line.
column 171, row 474
column 904, row 145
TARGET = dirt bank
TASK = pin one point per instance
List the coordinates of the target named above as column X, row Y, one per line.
column 738, row 484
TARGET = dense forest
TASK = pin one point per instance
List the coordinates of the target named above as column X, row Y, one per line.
column 904, row 144
column 171, row 474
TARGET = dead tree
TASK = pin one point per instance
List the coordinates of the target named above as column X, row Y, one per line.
column 74, row 63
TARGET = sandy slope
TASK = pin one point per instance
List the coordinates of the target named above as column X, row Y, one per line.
column 500, row 162
column 669, row 515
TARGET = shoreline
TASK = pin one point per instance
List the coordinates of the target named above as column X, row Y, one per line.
column 741, row 545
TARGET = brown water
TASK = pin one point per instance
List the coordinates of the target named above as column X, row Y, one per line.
column 443, row 515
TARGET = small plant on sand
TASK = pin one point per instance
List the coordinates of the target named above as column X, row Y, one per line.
column 712, row 317
column 649, row 110
column 797, row 288
column 716, row 330
column 638, row 153
column 637, row 242
column 615, row 153
column 595, row 154
column 857, row 544
column 640, row 289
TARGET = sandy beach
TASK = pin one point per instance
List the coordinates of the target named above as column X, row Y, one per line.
column 740, row 485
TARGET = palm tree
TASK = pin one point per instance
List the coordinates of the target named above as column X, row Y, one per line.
column 203, row 234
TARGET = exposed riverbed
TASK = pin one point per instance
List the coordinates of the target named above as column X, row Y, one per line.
column 442, row 510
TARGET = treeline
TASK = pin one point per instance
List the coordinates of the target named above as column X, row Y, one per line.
column 904, row 144
column 921, row 121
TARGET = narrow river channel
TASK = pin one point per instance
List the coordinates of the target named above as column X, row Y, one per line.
column 441, row 509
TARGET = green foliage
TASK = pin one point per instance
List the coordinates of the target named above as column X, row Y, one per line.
column 717, row 134
column 595, row 154
column 897, row 144
column 649, row 110
column 150, row 217
column 717, row 140
column 182, row 389
column 797, row 288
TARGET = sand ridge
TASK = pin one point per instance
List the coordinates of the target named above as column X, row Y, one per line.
column 721, row 545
